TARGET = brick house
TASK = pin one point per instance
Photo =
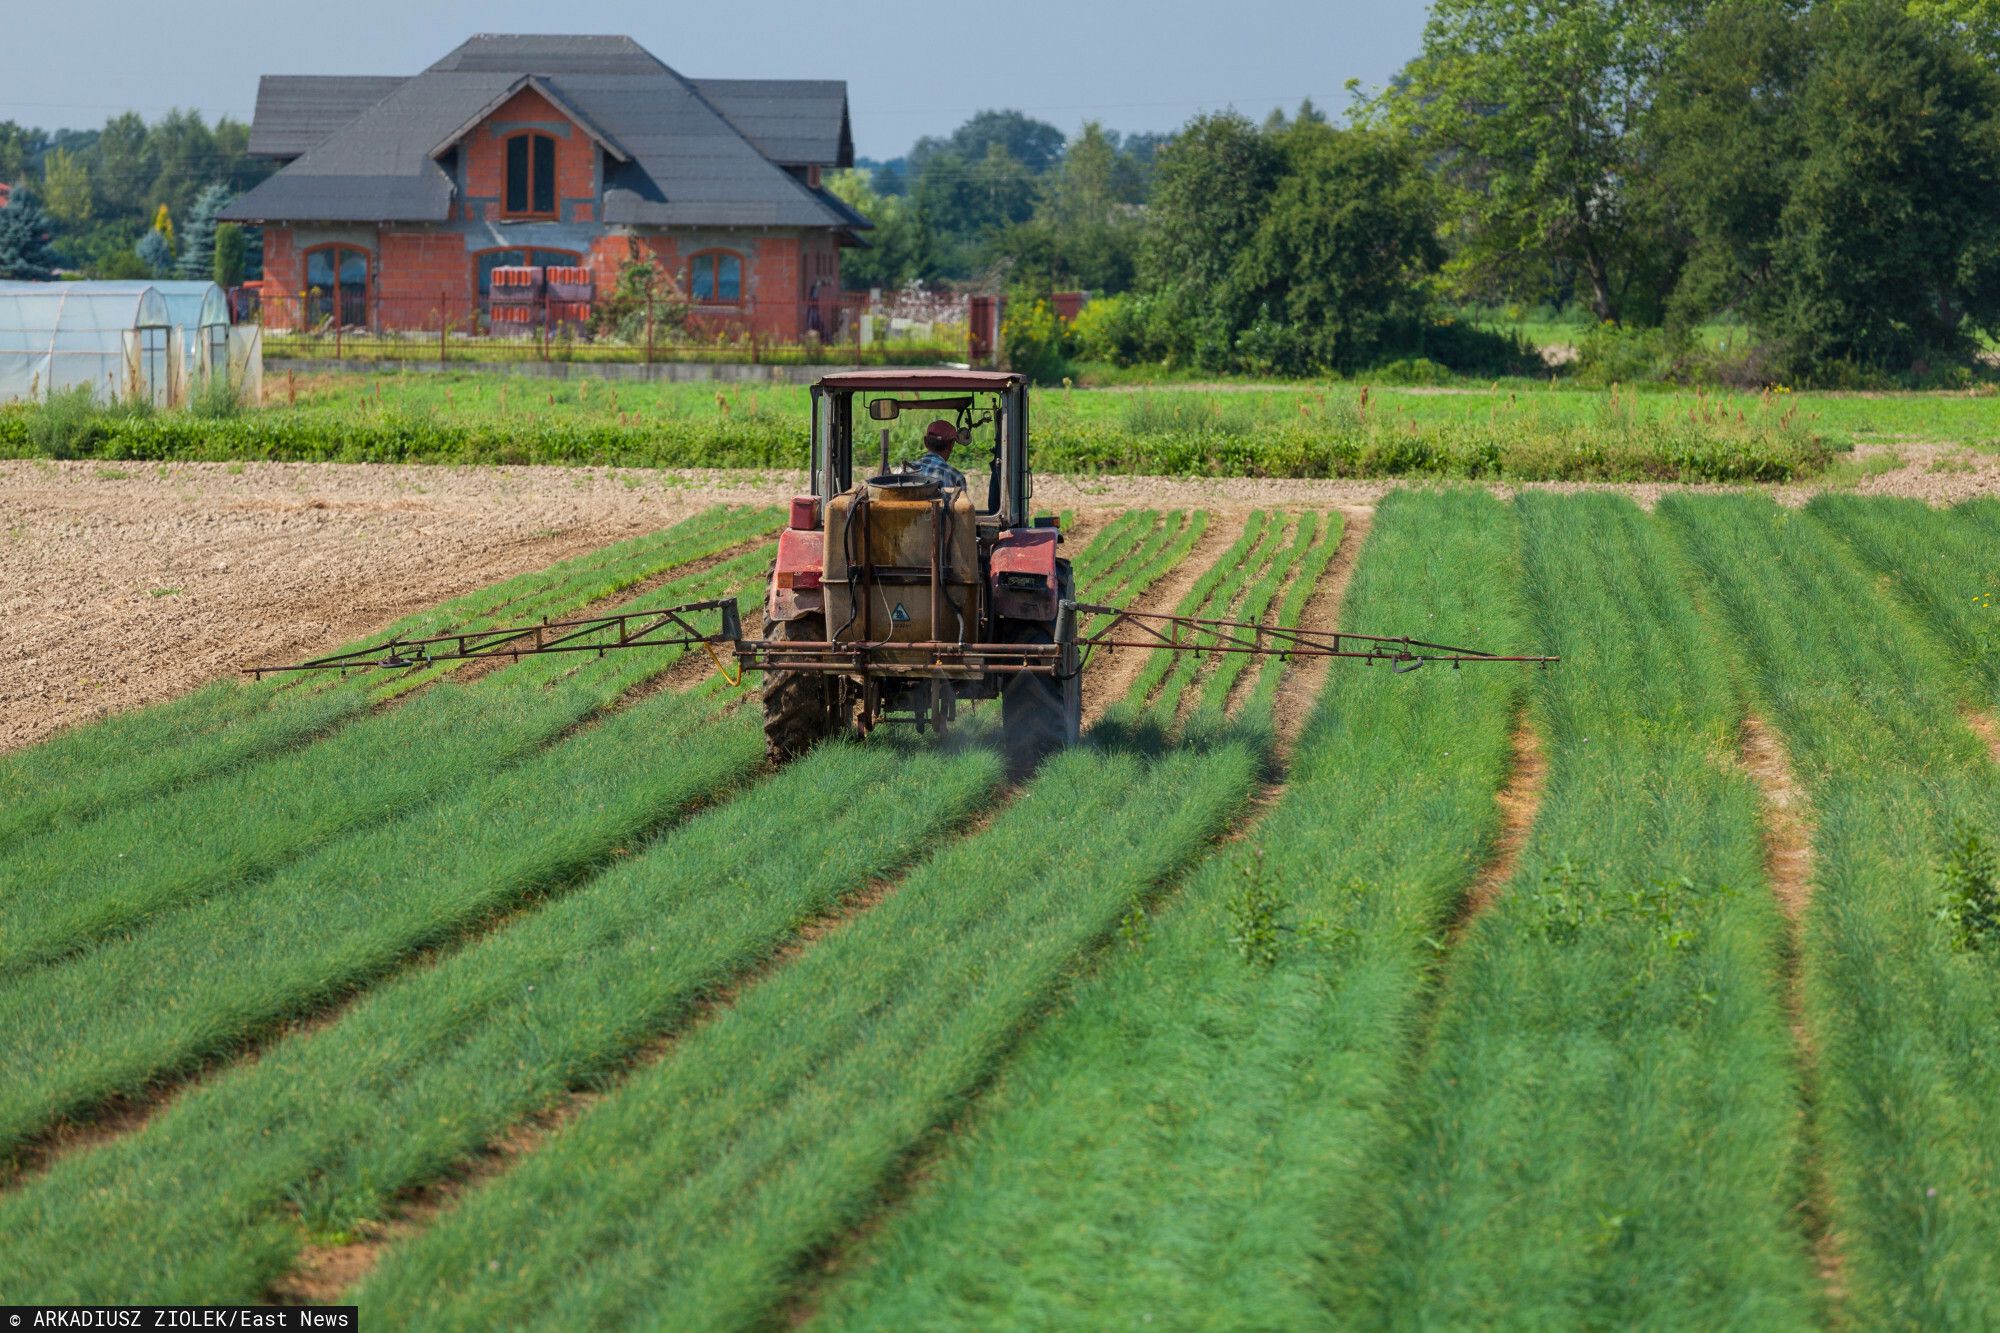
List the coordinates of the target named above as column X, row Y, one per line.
column 399, row 196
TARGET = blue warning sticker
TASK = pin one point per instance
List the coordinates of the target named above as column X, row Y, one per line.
column 899, row 615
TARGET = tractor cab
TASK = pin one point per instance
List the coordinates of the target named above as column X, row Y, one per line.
column 873, row 424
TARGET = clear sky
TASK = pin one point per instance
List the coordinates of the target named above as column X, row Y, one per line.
column 911, row 68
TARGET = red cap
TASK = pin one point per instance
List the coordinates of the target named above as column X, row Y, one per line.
column 940, row 432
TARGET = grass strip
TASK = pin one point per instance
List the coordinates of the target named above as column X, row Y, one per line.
column 74, row 885
column 1254, row 605
column 1175, row 1146
column 1899, row 1013
column 1619, row 999
column 1114, row 543
column 1264, row 562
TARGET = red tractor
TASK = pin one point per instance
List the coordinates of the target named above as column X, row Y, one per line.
column 904, row 590
column 898, row 593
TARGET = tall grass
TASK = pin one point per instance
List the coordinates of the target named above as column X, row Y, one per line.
column 1177, row 1145
column 1605, row 1129
column 1900, row 1016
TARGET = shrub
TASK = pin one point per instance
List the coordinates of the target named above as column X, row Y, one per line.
column 1111, row 329
column 1970, row 884
column 1034, row 341
column 61, row 427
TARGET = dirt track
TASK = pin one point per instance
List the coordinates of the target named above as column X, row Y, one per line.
column 127, row 583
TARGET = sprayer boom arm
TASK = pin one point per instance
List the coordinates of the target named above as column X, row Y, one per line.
column 1194, row 634
column 674, row 626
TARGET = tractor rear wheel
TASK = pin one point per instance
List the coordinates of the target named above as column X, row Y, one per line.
column 1042, row 714
column 801, row 708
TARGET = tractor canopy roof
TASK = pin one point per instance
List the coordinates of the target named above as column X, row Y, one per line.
column 921, row 381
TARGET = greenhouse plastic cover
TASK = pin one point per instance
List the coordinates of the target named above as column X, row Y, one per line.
column 57, row 335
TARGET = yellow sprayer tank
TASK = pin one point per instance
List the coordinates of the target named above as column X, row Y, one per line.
column 884, row 537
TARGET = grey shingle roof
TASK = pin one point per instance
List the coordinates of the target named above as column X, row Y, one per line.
column 296, row 111
column 690, row 162
column 798, row 122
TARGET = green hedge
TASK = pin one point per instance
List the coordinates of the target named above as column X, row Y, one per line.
column 1649, row 450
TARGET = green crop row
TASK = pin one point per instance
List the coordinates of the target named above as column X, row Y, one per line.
column 77, row 883
column 1313, row 541
column 431, row 1065
column 1940, row 563
column 770, row 1130
column 1112, row 545
column 212, row 1199
column 1898, row 1010
column 1318, row 557
column 1177, row 1146
column 1604, row 1130
column 198, row 982
column 1498, row 445
column 98, row 767
column 783, row 1123
column 1219, row 580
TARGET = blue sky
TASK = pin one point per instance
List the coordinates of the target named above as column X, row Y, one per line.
column 911, row 68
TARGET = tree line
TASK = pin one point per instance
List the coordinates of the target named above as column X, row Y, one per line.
column 1823, row 174
column 129, row 200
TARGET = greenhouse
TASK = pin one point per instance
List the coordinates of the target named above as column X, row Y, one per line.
column 130, row 341
column 117, row 338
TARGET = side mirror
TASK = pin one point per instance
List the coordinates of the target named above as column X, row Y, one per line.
column 965, row 435
column 884, row 409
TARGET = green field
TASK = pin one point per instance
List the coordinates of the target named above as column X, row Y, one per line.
column 533, row 997
column 1509, row 430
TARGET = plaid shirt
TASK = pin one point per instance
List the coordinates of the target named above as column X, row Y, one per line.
column 938, row 470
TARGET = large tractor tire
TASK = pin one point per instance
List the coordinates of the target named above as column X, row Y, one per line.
column 801, row 708
column 1040, row 715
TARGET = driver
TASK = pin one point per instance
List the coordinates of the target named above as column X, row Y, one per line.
column 939, row 437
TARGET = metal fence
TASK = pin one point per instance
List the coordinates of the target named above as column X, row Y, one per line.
column 847, row 329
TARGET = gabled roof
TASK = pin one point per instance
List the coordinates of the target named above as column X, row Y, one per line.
column 296, row 111
column 796, row 122
column 678, row 158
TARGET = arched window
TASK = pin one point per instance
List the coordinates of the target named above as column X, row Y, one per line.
column 337, row 285
column 530, row 190
column 715, row 277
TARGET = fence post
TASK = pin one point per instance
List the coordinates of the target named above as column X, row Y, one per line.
column 542, row 328
column 336, row 327
column 649, row 328
column 441, row 300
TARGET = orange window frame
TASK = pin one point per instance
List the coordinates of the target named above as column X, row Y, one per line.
column 531, row 175
column 715, row 257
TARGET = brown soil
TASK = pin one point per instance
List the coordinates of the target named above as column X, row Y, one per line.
column 1787, row 840
column 1987, row 730
column 1111, row 673
column 1788, row 865
column 1518, row 798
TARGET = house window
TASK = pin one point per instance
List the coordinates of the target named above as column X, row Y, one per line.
column 531, row 176
column 715, row 277
column 337, row 285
